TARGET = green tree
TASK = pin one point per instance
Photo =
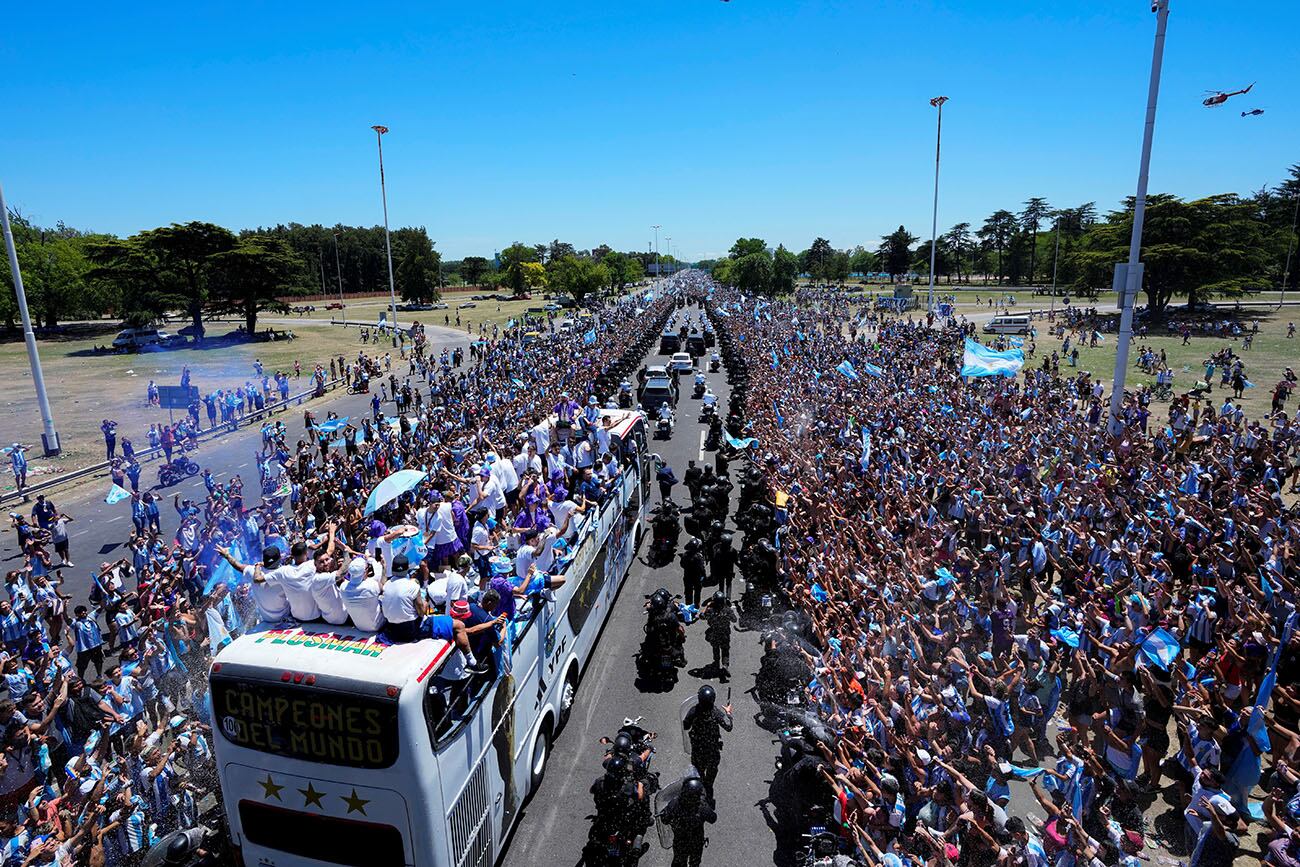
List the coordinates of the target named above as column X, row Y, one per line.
column 253, row 276
column 128, row 277
column 818, row 259
column 417, row 274
column 785, row 268
column 472, row 268
column 745, row 246
column 184, row 253
column 1031, row 218
column 997, row 232
column 722, row 271
column 862, row 261
column 895, row 253
column 959, row 241
column 622, row 268
column 579, row 277
column 752, row 273
column 513, row 273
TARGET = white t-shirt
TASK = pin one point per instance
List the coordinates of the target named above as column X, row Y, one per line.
column 361, row 600
column 523, row 463
column 504, row 472
column 582, row 456
column 493, row 496
column 523, row 559
column 561, row 510
column 398, row 599
column 457, row 585
column 325, row 590
column 272, row 606
column 296, row 581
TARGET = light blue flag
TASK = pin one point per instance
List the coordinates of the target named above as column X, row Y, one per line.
column 780, row 420
column 846, row 368
column 741, row 445
column 589, row 338
column 1066, row 636
column 871, row 370
column 1265, row 586
column 332, row 424
column 1161, row 648
column 1016, row 342
column 1018, row 772
column 117, row 494
column 722, row 312
column 978, row 360
column 776, row 362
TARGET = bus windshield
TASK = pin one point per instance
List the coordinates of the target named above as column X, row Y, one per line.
column 336, row 727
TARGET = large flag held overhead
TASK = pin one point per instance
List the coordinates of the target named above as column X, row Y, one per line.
column 846, row 368
column 117, row 494
column 978, row 360
column 1160, row 647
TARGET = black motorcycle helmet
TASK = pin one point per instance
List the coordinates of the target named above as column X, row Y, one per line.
column 622, row 745
column 719, row 598
column 693, row 545
column 660, row 598
column 706, row 696
column 616, row 768
column 692, row 789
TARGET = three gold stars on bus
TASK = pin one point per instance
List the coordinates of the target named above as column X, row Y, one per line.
column 311, row 797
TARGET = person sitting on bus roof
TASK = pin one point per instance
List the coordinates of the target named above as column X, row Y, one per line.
column 272, row 606
column 361, row 594
column 409, row 616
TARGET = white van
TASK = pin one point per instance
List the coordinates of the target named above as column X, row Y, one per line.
column 1007, row 325
column 135, row 338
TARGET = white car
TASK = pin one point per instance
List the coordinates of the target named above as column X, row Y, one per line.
column 136, row 338
column 682, row 362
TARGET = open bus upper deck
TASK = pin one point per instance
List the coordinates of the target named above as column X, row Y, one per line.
column 335, row 746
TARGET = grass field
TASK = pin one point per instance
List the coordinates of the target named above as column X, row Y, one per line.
column 85, row 388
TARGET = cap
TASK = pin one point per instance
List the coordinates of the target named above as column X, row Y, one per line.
column 485, row 471
column 460, row 609
column 357, row 568
column 401, row 565
column 270, row 556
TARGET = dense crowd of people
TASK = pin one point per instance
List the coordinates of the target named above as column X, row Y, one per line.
column 998, row 594
column 106, row 730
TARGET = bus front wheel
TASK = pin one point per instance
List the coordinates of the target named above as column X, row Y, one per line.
column 541, row 752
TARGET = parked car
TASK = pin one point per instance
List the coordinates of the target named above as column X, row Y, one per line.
column 1007, row 325
column 464, row 305
column 414, row 307
column 138, row 338
column 553, row 308
column 438, row 305
column 480, row 298
column 334, row 305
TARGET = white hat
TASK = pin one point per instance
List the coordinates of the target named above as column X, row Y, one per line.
column 357, row 568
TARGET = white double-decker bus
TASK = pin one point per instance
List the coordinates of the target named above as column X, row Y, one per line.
column 335, row 747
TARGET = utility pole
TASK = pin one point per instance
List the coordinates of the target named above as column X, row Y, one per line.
column 1128, row 277
column 1290, row 248
column 937, row 102
column 388, row 244
column 658, row 274
column 338, row 270
column 49, row 436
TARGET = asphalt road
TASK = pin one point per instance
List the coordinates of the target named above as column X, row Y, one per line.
column 99, row 532
column 555, row 823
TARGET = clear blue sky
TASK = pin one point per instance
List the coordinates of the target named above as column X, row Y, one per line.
column 592, row 121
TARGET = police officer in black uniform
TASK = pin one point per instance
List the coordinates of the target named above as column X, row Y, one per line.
column 693, row 570
column 719, row 615
column 704, row 724
column 688, row 813
column 722, row 563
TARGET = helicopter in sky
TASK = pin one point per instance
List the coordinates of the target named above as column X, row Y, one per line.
column 1218, row 97
column 1254, row 112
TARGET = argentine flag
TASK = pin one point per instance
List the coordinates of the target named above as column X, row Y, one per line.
column 978, row 360
column 1161, row 648
column 871, row 370
column 846, row 368
column 589, row 338
column 117, row 494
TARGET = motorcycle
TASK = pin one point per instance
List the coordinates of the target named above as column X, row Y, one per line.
column 181, row 468
column 700, row 387
column 359, row 386
column 665, row 525
column 715, row 363
column 661, row 651
column 664, row 429
column 708, row 412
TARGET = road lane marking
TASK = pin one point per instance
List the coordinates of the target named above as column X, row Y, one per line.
column 701, row 457
column 118, row 518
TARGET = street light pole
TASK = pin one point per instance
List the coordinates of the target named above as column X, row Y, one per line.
column 658, row 274
column 1056, row 255
column 673, row 264
column 937, row 102
column 338, row 271
column 50, row 436
column 1132, row 272
column 1290, row 248
column 388, row 245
